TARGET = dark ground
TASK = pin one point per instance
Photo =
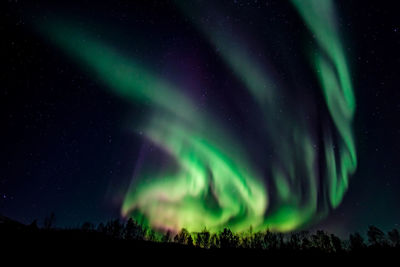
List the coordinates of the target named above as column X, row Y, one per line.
column 29, row 243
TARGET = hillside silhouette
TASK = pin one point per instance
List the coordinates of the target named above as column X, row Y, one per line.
column 117, row 235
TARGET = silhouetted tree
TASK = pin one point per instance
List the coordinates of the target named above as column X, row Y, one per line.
column 133, row 230
column 190, row 241
column 114, row 229
column 257, row 241
column 305, row 240
column 129, row 233
column 321, row 241
column 151, row 235
column 203, row 239
column 101, row 228
column 87, row 227
column 326, row 242
column 182, row 237
column 227, row 239
column 294, row 241
column 281, row 240
column 167, row 237
column 49, row 221
column 376, row 237
column 394, row 238
column 356, row 242
column 245, row 240
column 346, row 245
column 270, row 240
column 336, row 243
column 214, row 241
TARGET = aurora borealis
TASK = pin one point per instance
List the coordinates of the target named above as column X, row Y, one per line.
column 201, row 114
column 211, row 185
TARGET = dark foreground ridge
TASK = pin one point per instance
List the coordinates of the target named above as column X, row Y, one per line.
column 131, row 237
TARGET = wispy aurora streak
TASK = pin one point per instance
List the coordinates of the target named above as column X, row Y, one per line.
column 333, row 73
column 211, row 181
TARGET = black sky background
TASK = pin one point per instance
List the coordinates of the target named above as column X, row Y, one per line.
column 63, row 148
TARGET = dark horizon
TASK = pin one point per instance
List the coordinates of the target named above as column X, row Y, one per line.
column 131, row 234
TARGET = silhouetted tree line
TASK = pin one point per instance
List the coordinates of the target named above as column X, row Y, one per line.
column 265, row 240
column 319, row 241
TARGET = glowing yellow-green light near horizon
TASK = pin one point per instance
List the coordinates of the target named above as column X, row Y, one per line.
column 185, row 199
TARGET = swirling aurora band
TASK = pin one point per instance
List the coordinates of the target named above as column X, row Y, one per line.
column 213, row 182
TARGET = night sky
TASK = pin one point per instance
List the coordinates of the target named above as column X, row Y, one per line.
column 72, row 141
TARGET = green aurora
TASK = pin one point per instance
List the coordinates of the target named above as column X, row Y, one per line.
column 213, row 182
